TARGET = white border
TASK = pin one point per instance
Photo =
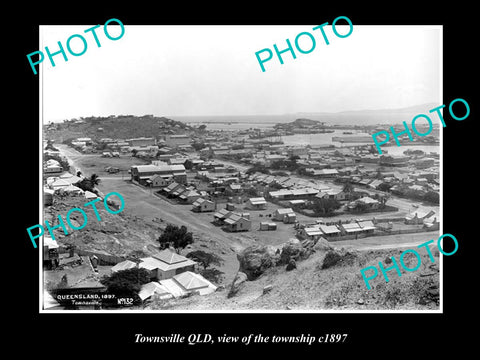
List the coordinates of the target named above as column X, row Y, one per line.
column 233, row 312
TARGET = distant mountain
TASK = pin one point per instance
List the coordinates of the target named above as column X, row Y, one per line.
column 369, row 117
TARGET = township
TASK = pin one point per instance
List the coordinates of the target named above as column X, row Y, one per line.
column 238, row 187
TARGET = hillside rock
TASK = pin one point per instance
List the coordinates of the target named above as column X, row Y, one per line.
column 339, row 258
column 322, row 244
column 255, row 259
column 292, row 265
column 238, row 283
column 293, row 251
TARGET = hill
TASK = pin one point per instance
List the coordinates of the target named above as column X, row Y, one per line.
column 369, row 117
column 339, row 287
column 116, row 127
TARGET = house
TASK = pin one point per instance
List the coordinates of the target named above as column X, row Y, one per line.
column 193, row 282
column 59, row 184
column 355, row 228
column 302, row 193
column 124, row 265
column 171, row 187
column 364, row 203
column 90, row 195
column 431, row 223
column 142, row 173
column 367, row 226
column 220, row 216
column 416, row 217
column 70, row 178
column 159, row 180
column 310, row 232
column 50, row 253
column 177, row 140
column 48, row 196
column 177, row 191
column 333, row 194
column 236, row 222
column 72, row 189
column 375, row 183
column 166, row 264
column 287, row 215
column 189, row 196
column 297, row 202
column 140, row 142
column 329, row 230
column 179, row 285
column 52, row 169
column 154, row 288
column 257, row 203
column 203, row 205
column 233, row 189
column 325, row 173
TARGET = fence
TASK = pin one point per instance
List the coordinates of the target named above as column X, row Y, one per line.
column 375, row 233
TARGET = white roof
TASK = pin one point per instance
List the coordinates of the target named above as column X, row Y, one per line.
column 258, row 200
column 173, row 287
column 164, row 263
column 153, row 288
column 90, row 195
column 312, row 231
column 328, row 229
column 60, row 183
column 48, row 300
column 366, row 225
column 48, row 241
column 285, row 211
column 367, row 200
column 73, row 188
column 124, row 265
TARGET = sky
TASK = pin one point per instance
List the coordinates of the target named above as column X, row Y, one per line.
column 212, row 70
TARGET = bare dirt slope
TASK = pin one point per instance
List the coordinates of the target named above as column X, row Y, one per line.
column 340, row 287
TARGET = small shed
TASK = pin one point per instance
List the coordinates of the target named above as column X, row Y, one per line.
column 266, row 226
column 286, row 215
column 258, row 203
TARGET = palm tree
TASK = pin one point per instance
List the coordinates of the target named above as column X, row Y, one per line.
column 94, row 180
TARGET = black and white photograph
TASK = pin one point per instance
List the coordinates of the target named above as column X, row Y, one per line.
column 209, row 178
column 243, row 178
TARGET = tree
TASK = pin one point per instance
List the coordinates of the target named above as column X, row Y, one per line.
column 213, row 274
column 134, row 152
column 94, row 179
column 257, row 168
column 177, row 237
column 432, row 196
column 88, row 184
column 325, row 206
column 198, row 145
column 126, row 282
column 347, row 188
column 188, row 164
column 384, row 187
column 205, row 258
